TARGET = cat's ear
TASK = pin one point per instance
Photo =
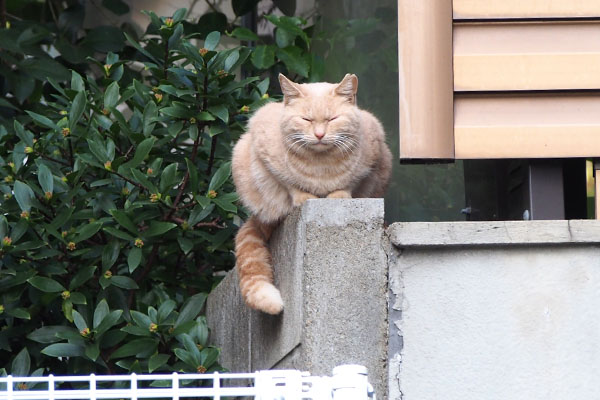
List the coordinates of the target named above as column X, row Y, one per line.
column 347, row 88
column 289, row 89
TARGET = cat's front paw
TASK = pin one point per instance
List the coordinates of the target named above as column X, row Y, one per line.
column 300, row 197
column 339, row 194
column 265, row 298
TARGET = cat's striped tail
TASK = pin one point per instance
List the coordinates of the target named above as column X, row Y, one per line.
column 253, row 262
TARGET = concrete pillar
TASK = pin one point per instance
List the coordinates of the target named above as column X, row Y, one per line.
column 331, row 268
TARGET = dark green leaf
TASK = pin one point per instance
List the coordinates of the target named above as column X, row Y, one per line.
column 165, row 309
column 111, row 95
column 80, row 322
column 212, row 40
column 186, row 244
column 134, row 347
column 25, row 136
column 168, row 177
column 191, row 309
column 141, row 152
column 64, row 350
column 45, row 284
column 134, row 258
column 212, row 21
column 47, row 334
column 141, row 178
column 124, row 221
column 158, row 228
column 21, row 364
column 78, row 298
column 220, row 177
column 87, row 231
column 100, row 312
column 157, row 361
column 187, row 357
column 110, row 254
column 45, row 178
column 231, row 60
column 20, row 313
column 84, row 274
column 92, row 350
column 41, row 120
column 293, row 59
column 244, row 34
column 117, row 233
column 109, row 321
column 220, row 111
column 124, row 282
column 150, row 113
column 263, row 56
column 77, row 82
column 77, row 109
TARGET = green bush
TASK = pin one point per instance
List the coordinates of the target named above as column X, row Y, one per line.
column 117, row 208
column 117, row 205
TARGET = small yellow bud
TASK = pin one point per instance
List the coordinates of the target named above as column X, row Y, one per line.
column 25, row 214
column 221, row 73
column 65, row 295
column 28, row 150
column 105, row 111
column 155, row 197
column 108, row 274
column 63, row 112
column 85, row 332
column 155, row 89
column 203, row 51
column 6, row 241
column 108, row 165
column 245, row 109
column 265, row 96
column 56, row 152
column 7, row 196
column 64, row 234
column 158, row 97
column 171, row 330
column 71, row 246
column 139, row 243
column 107, row 69
column 7, row 25
column 1, row 308
column 169, row 22
column 125, row 191
column 48, row 195
column 12, row 166
column 8, row 179
column 201, row 369
column 192, row 120
column 92, row 220
column 211, row 194
column 185, row 226
column 153, row 328
column 66, row 132
column 199, row 346
column 150, row 171
column 22, row 386
column 64, row 179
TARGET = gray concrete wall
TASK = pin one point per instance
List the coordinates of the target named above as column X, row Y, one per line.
column 331, row 268
column 504, row 310
column 477, row 310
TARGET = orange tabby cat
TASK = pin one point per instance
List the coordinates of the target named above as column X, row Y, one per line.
column 316, row 143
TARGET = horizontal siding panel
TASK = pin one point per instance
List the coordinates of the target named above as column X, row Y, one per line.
column 526, row 56
column 496, row 9
column 553, row 126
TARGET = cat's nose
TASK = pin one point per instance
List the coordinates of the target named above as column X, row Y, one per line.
column 319, row 134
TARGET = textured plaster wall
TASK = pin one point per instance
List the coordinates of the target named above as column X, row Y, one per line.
column 495, row 311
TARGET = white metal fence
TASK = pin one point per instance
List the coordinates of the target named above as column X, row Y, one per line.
column 348, row 382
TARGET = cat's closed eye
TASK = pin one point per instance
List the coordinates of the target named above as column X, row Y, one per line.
column 307, row 119
column 332, row 118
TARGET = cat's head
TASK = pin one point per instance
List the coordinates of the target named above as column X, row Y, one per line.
column 320, row 117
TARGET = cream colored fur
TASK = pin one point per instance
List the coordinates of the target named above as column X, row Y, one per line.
column 316, row 143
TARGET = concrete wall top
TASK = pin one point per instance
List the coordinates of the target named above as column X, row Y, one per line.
column 436, row 234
